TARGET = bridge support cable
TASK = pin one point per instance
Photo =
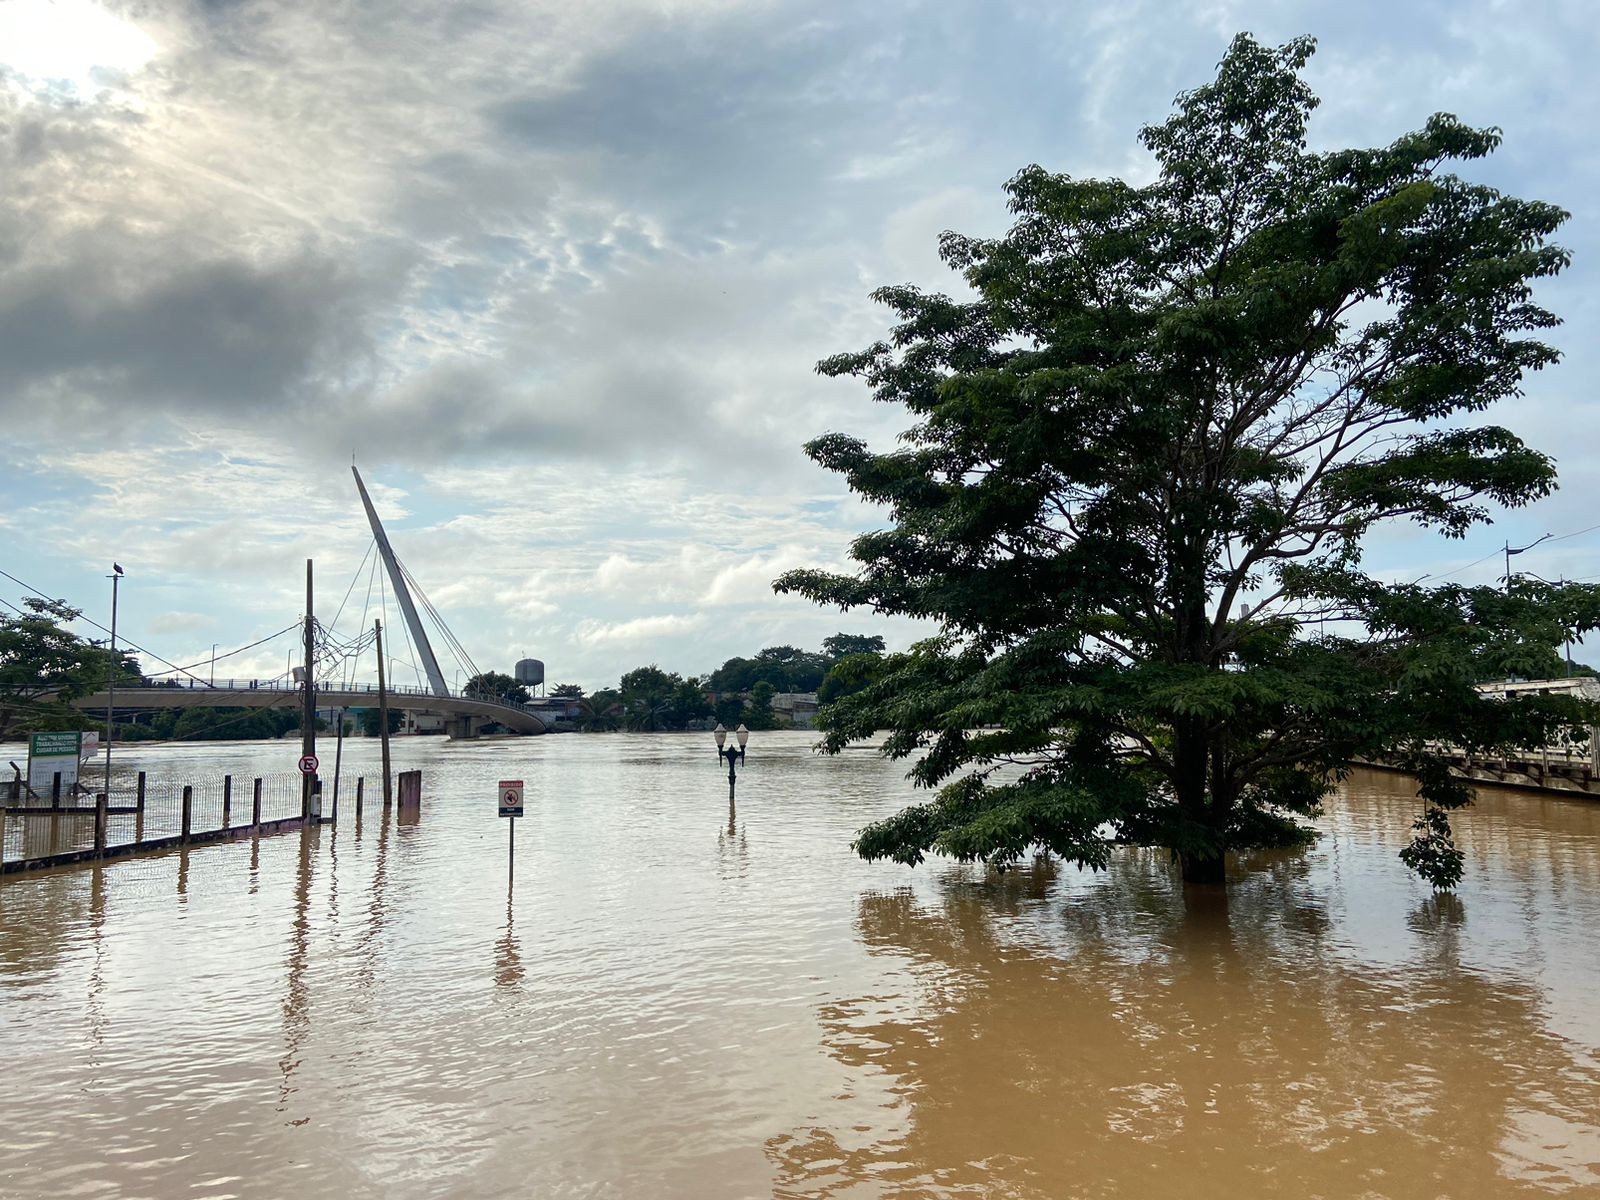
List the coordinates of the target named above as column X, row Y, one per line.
column 354, row 579
column 463, row 659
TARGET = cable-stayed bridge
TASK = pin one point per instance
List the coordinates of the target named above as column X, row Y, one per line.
column 336, row 659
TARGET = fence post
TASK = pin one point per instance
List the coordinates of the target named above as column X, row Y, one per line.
column 227, row 802
column 188, row 804
column 361, row 781
column 102, row 802
column 138, row 801
column 55, row 790
column 255, row 806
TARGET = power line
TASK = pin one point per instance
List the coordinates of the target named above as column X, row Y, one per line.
column 126, row 640
column 231, row 653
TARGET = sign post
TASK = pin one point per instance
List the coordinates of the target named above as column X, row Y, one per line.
column 509, row 797
column 312, row 809
column 50, row 754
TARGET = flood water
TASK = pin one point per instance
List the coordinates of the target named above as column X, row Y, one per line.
column 676, row 1000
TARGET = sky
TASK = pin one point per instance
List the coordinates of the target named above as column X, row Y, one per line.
column 557, row 276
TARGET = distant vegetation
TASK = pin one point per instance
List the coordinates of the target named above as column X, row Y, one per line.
column 44, row 666
column 738, row 692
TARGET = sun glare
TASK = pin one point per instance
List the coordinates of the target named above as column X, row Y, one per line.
column 69, row 43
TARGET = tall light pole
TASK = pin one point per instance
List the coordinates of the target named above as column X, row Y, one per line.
column 111, row 672
column 1518, row 550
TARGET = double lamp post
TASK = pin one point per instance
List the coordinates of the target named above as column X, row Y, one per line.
column 734, row 754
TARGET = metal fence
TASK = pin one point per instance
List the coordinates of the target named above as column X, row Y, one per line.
column 43, row 830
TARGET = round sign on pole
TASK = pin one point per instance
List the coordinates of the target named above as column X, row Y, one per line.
column 308, row 764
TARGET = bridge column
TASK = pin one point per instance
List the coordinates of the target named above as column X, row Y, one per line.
column 462, row 728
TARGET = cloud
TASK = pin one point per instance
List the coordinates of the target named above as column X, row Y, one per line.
column 181, row 622
column 559, row 275
column 639, row 630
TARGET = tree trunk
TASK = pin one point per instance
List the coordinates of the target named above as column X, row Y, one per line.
column 1205, row 872
column 1191, row 762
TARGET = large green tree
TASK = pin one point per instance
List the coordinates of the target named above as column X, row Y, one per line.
column 496, row 685
column 1146, row 451
column 44, row 667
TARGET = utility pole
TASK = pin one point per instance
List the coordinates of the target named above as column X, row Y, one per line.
column 308, row 706
column 111, row 674
column 383, row 712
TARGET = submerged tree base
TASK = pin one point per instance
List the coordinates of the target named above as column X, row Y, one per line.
column 1205, row 872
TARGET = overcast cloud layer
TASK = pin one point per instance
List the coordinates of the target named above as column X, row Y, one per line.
column 557, row 274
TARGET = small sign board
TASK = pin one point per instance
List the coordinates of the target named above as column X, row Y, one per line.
column 510, row 797
column 308, row 764
column 50, row 753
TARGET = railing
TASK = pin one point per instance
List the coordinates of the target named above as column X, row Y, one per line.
column 45, row 830
column 365, row 689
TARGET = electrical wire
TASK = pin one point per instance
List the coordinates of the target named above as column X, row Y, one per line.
column 129, row 642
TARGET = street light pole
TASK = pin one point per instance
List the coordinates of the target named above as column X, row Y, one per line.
column 111, row 673
column 731, row 753
column 1518, row 550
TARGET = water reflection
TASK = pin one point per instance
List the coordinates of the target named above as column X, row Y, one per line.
column 297, row 989
column 732, row 847
column 357, row 1015
column 1131, row 1038
column 508, row 969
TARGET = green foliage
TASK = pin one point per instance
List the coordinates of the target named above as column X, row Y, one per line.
column 567, row 691
column 786, row 668
column 602, row 712
column 1163, row 402
column 372, row 721
column 758, row 713
column 44, row 666
column 649, row 698
column 492, row 685
column 845, row 645
column 850, row 675
column 654, row 699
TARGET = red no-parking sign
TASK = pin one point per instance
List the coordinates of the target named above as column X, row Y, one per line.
column 510, row 797
column 308, row 764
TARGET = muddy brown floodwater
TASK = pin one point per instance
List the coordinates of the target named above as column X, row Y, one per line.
column 676, row 1000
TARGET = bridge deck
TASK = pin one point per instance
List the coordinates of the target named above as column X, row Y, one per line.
column 267, row 695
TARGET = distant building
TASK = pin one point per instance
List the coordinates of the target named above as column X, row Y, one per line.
column 1584, row 687
column 799, row 707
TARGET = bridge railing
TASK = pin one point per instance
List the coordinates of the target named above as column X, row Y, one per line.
column 369, row 689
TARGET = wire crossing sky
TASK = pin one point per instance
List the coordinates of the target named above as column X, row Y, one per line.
column 558, row 275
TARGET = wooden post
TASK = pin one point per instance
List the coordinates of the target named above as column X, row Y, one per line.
column 383, row 714
column 138, row 799
column 308, row 710
column 55, row 790
column 338, row 764
column 188, row 804
column 227, row 801
column 101, row 803
column 255, row 807
column 361, row 781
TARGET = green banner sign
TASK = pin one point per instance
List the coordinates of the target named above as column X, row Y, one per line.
column 55, row 745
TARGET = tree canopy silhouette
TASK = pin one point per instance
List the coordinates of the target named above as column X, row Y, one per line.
column 1146, row 452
